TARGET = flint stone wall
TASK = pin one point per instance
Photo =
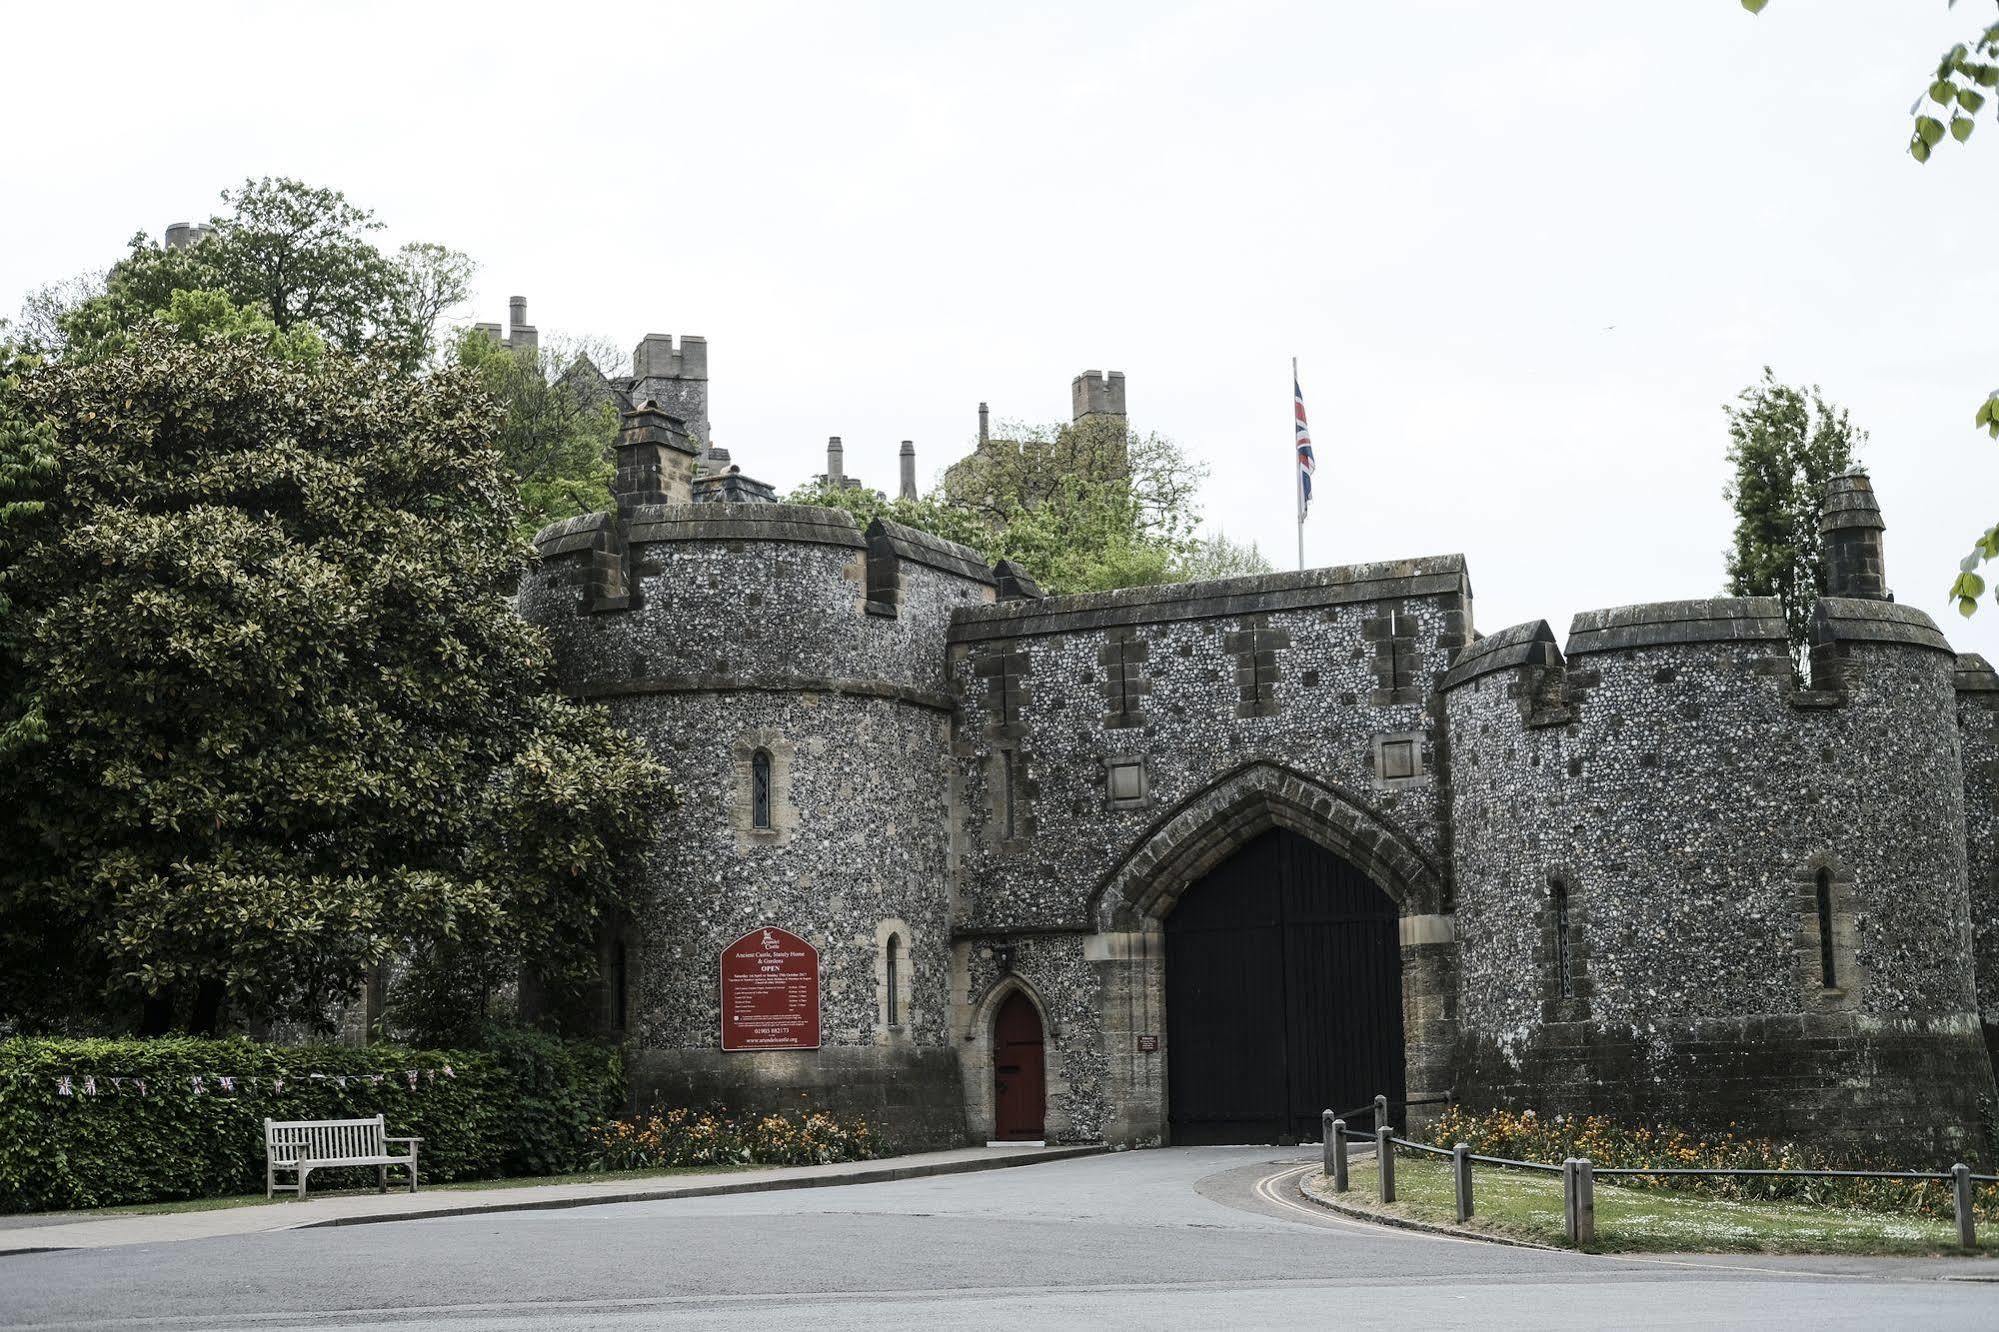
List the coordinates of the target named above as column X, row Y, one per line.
column 755, row 629
column 1686, row 797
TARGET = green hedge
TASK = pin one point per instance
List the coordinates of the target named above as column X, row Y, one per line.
column 522, row 1106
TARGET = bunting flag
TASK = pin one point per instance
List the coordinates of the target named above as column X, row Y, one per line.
column 232, row 1084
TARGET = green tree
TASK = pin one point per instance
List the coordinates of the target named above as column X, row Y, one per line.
column 302, row 255
column 1215, row 556
column 1784, row 443
column 269, row 716
column 1083, row 508
column 554, row 439
column 1959, row 88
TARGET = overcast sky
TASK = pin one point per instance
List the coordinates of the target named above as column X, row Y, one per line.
column 1523, row 252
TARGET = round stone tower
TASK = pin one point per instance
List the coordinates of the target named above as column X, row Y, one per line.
column 787, row 669
column 1691, row 892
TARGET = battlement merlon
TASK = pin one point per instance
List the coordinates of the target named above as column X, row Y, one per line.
column 656, row 357
column 1097, row 393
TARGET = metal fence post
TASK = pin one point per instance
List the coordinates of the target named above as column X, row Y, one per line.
column 1461, row 1173
column 1384, row 1162
column 1960, row 1188
column 1585, row 1204
column 1339, row 1136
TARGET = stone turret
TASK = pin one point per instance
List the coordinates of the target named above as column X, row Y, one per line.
column 655, row 459
column 1850, row 521
column 180, row 235
column 908, row 489
column 675, row 377
column 1097, row 393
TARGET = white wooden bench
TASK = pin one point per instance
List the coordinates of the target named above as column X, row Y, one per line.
column 305, row 1145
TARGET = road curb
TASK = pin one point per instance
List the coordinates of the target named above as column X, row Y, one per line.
column 1388, row 1221
column 880, row 1174
column 877, row 1175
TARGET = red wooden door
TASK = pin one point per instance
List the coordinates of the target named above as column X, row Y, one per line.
column 1018, row 1083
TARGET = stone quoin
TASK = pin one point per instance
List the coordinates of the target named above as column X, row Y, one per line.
column 1645, row 871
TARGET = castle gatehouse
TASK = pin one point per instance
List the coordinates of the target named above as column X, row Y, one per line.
column 1192, row 863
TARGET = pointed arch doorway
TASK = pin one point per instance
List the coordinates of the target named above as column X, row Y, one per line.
column 1283, row 994
column 1020, row 1094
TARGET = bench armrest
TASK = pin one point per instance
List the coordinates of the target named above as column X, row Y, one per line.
column 389, row 1139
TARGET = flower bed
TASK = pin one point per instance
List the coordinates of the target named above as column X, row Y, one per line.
column 682, row 1137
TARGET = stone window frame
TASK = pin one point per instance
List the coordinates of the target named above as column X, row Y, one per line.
column 1111, row 764
column 742, row 795
column 895, row 930
column 1815, row 994
column 1421, row 776
column 1010, row 799
column 1551, row 950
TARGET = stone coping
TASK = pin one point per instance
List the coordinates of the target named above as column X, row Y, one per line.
column 1431, row 576
column 936, row 699
column 1665, row 623
column 1530, row 644
column 928, row 549
column 646, row 524
column 1975, row 674
column 1863, row 620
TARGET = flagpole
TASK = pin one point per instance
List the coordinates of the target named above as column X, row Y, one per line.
column 1298, row 472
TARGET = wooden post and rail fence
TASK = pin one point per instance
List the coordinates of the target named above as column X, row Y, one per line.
column 1579, row 1174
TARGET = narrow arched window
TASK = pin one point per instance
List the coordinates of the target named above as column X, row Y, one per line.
column 892, row 979
column 1007, row 822
column 760, row 789
column 1565, row 970
column 1828, row 972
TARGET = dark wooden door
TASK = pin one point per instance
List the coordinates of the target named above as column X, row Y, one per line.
column 1019, row 1105
column 1283, row 995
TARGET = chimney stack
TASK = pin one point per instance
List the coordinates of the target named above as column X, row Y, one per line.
column 908, row 469
column 655, row 459
column 836, row 469
column 982, row 423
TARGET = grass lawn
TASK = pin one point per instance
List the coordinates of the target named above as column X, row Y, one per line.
column 258, row 1199
column 1524, row 1205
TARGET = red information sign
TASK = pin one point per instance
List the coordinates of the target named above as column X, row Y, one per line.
column 770, row 992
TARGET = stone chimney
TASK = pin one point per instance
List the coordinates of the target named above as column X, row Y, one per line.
column 982, row 423
column 1851, row 524
column 836, row 466
column 655, row 459
column 908, row 469
column 520, row 333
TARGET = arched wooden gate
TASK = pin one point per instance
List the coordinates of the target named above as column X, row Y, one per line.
column 1283, row 995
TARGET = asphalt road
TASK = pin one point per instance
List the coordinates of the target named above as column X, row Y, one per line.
column 1195, row 1237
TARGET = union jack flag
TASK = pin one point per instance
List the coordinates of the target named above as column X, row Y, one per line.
column 1305, row 461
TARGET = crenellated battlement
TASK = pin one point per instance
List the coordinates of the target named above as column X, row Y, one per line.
column 1096, row 393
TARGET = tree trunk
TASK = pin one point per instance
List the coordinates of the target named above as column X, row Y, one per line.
column 208, row 1001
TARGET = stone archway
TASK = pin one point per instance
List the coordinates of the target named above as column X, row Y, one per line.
column 1131, row 903
column 977, row 1063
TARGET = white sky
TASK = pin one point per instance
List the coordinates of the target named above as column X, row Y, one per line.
column 880, row 215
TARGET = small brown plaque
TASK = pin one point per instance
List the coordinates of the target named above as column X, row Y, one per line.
column 1148, row 1045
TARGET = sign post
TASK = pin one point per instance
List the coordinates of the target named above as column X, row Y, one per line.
column 770, row 992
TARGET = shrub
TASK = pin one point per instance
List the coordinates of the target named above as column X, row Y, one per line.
column 682, row 1137
column 1525, row 1136
column 522, row 1105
